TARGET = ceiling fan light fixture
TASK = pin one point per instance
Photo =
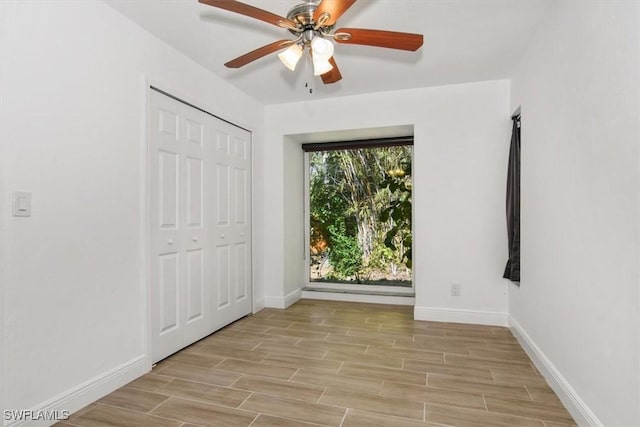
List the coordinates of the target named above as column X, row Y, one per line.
column 312, row 22
column 321, row 66
column 291, row 56
column 322, row 48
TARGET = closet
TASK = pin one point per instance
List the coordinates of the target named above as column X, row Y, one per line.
column 199, row 223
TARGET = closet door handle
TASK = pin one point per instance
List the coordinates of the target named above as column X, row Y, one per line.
column 170, row 241
column 195, row 238
column 222, row 236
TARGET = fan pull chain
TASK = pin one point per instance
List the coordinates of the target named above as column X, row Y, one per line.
column 309, row 84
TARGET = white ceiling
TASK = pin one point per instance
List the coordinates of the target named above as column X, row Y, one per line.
column 465, row 40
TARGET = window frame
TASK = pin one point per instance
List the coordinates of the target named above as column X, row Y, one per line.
column 345, row 145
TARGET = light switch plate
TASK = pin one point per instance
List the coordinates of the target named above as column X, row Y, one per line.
column 21, row 204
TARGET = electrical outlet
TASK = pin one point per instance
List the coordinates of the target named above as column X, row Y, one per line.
column 455, row 289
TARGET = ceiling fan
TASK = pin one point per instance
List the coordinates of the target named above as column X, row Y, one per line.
column 313, row 24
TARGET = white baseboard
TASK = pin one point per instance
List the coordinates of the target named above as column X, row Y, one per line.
column 283, row 302
column 88, row 392
column 372, row 299
column 452, row 315
column 579, row 410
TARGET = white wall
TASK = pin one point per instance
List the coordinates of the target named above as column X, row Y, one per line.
column 460, row 158
column 72, row 133
column 578, row 85
column 293, row 209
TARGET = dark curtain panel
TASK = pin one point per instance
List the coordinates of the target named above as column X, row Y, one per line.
column 512, row 270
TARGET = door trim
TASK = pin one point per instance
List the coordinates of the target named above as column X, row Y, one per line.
column 149, row 84
column 155, row 88
column 2, row 279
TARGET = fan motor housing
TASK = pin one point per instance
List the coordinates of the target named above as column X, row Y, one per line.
column 302, row 14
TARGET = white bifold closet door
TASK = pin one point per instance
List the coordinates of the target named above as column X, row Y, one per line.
column 200, row 224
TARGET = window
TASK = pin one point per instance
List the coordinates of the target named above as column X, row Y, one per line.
column 359, row 212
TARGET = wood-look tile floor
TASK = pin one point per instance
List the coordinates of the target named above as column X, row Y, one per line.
column 338, row 364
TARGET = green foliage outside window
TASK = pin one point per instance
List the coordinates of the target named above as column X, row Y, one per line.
column 360, row 215
column 399, row 211
column 345, row 254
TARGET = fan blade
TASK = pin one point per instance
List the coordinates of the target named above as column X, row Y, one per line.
column 258, row 53
column 335, row 9
column 251, row 11
column 389, row 39
column 332, row 76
